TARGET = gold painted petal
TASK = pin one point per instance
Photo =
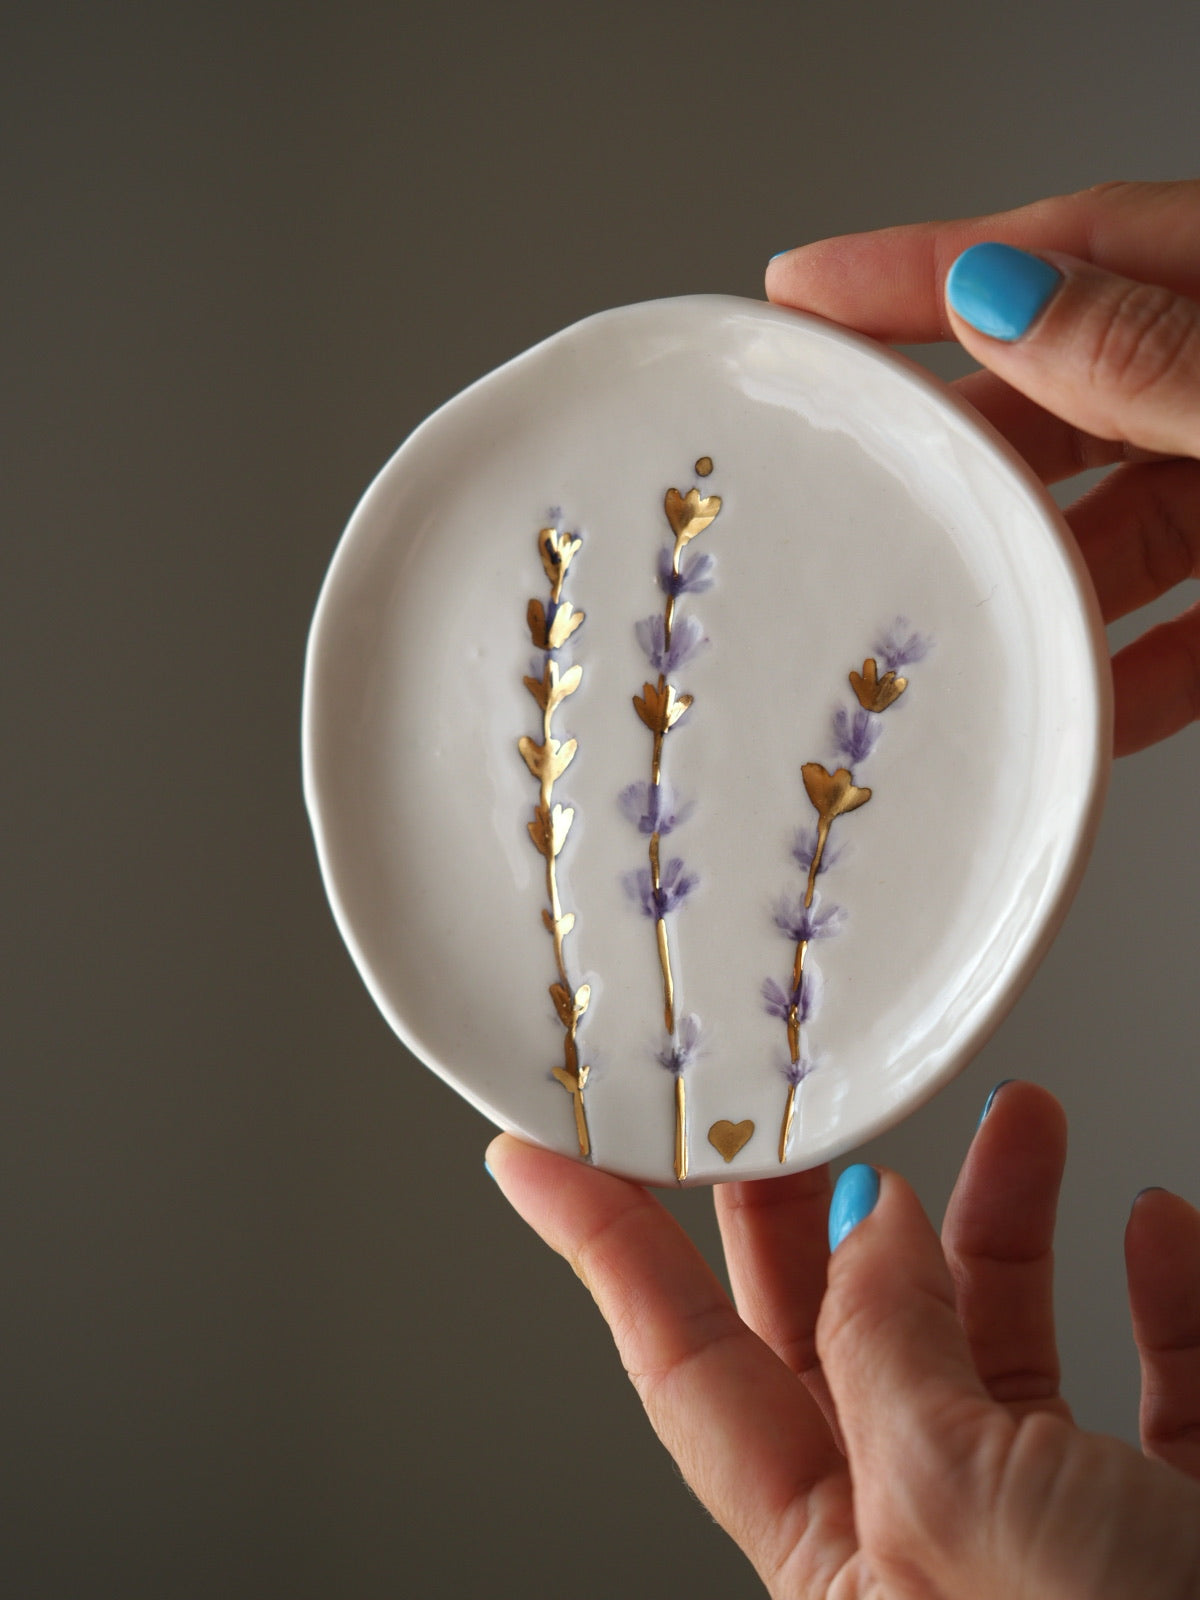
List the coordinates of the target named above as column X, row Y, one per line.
column 571, row 1081
column 568, row 682
column 660, row 709
column 561, row 819
column 535, row 616
column 560, row 925
column 538, row 689
column 873, row 692
column 833, row 793
column 566, row 620
column 534, row 754
column 561, row 756
column 541, row 831
column 557, row 551
column 564, row 1003
column 689, row 514
column 583, row 996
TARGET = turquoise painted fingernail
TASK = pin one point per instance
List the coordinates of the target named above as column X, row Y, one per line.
column 779, row 253
column 854, row 1198
column 987, row 1104
column 488, row 1170
column 999, row 290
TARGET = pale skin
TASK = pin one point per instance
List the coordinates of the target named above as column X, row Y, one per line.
column 886, row 1422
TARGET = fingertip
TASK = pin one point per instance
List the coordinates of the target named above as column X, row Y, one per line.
column 1000, row 291
column 854, row 1198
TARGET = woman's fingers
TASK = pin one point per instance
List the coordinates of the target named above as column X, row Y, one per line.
column 1156, row 683
column 1053, row 449
column 748, row 1437
column 1162, row 1258
column 890, row 284
column 926, row 1445
column 1113, row 356
column 998, row 1236
column 1139, row 532
column 776, row 1249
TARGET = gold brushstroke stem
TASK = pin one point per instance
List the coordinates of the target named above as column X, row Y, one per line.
column 660, row 926
column 793, row 1021
column 823, row 825
column 681, row 1150
column 785, row 1131
column 793, row 1034
column 572, row 1075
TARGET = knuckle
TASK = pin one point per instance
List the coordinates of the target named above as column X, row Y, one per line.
column 1141, row 339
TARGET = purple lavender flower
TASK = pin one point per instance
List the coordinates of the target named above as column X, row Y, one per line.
column 653, row 808
column 693, row 577
column 901, row 645
column 805, row 996
column 687, row 635
column 678, row 1054
column 796, row 1071
column 855, row 733
column 801, row 922
column 674, row 887
column 804, row 848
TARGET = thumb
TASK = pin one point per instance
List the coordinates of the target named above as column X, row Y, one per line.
column 1119, row 359
column 921, row 1434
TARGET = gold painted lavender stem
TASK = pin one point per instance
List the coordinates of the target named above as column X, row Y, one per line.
column 789, row 1116
column 660, row 707
column 833, row 794
column 550, row 628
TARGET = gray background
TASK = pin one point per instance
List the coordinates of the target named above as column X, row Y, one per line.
column 268, row 1329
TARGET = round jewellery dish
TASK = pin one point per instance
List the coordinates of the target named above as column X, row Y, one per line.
column 706, row 718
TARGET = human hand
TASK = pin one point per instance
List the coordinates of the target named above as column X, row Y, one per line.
column 886, row 1422
column 1092, row 360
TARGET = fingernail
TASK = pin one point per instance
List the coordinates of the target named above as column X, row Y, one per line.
column 987, row 1104
column 1152, row 1188
column 854, row 1198
column 488, row 1170
column 779, row 253
column 999, row 290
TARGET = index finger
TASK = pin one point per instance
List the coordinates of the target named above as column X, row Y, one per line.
column 890, row 284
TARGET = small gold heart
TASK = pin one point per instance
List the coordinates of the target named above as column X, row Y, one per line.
column 688, row 514
column 833, row 793
column 729, row 1137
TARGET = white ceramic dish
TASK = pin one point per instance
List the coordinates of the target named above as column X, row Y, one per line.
column 854, row 491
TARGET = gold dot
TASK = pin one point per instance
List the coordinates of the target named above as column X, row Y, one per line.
column 704, row 466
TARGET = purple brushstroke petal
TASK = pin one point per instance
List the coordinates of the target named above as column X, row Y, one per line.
column 802, row 923
column 855, row 733
column 796, row 1071
column 776, row 1001
column 674, row 887
column 687, row 635
column 804, row 848
column 693, row 577
column 902, row 645
column 806, row 997
column 679, row 1054
column 653, row 807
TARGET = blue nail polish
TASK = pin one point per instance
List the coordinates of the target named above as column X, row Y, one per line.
column 987, row 1104
column 854, row 1198
column 779, row 253
column 488, row 1170
column 999, row 290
